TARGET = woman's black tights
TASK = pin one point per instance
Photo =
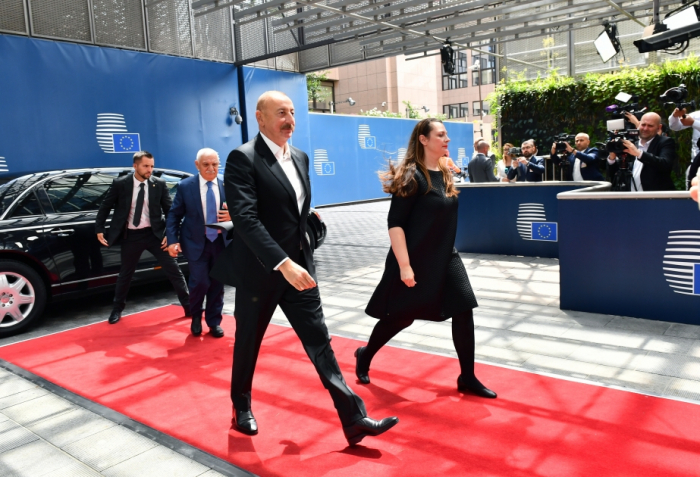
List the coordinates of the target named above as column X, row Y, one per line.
column 462, row 335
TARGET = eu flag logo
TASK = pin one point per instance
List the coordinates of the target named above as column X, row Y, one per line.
column 126, row 142
column 696, row 279
column 546, row 231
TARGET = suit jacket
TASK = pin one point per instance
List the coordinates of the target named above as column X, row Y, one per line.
column 535, row 169
column 589, row 157
column 185, row 224
column 267, row 224
column 481, row 169
column 518, row 172
column 119, row 198
column 658, row 161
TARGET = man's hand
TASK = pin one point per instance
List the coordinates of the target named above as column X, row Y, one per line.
column 174, row 249
column 630, row 148
column 505, row 179
column 612, row 156
column 102, row 240
column 407, row 276
column 632, row 118
column 687, row 121
column 554, row 148
column 523, row 160
column 223, row 215
column 679, row 114
column 164, row 243
column 296, row 275
column 694, row 189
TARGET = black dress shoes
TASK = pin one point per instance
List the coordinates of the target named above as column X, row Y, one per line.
column 186, row 309
column 474, row 386
column 367, row 426
column 114, row 316
column 216, row 332
column 246, row 423
column 196, row 326
column 361, row 372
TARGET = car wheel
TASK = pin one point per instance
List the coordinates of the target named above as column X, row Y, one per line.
column 22, row 296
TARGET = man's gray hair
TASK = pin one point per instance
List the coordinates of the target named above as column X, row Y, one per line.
column 207, row 151
column 530, row 141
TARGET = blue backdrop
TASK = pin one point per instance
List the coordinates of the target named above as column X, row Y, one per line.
column 52, row 94
column 614, row 260
column 497, row 218
column 346, row 152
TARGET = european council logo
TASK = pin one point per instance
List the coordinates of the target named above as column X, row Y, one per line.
column 532, row 224
column 366, row 140
column 113, row 136
column 682, row 261
column 3, row 165
column 322, row 165
column 461, row 156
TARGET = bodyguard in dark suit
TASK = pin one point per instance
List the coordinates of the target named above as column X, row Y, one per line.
column 480, row 168
column 533, row 163
column 582, row 162
column 270, row 263
column 200, row 200
column 655, row 157
column 140, row 202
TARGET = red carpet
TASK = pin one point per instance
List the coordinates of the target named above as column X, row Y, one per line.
column 150, row 368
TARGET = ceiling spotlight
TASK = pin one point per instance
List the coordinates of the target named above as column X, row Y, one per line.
column 425, row 108
column 607, row 45
column 383, row 104
column 351, row 101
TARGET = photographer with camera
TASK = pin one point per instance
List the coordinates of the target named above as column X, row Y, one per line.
column 652, row 159
column 580, row 164
column 533, row 163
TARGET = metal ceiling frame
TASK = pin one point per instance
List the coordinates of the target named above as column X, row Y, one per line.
column 384, row 28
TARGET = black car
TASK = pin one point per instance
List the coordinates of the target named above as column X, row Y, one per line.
column 48, row 246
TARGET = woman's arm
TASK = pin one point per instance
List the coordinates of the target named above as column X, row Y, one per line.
column 398, row 245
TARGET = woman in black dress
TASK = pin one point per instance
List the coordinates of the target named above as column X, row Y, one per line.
column 424, row 278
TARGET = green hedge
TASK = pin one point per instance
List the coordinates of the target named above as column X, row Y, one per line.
column 542, row 108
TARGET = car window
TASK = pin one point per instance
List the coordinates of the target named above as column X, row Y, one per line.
column 172, row 181
column 11, row 190
column 78, row 193
column 28, row 206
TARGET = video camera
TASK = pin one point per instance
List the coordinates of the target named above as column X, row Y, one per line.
column 561, row 140
column 676, row 97
column 515, row 151
column 617, row 111
column 615, row 144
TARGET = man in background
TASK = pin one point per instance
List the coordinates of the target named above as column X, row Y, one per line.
column 481, row 168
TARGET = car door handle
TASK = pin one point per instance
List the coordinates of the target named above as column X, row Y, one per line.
column 63, row 232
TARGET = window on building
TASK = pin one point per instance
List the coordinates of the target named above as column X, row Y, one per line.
column 326, row 95
column 463, row 110
column 460, row 79
column 486, row 74
column 476, row 108
column 452, row 111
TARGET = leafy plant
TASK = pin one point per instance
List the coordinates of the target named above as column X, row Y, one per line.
column 542, row 108
column 314, row 88
column 374, row 112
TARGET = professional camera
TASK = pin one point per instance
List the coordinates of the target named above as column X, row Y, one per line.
column 561, row 140
column 615, row 139
column 515, row 151
column 617, row 111
column 676, row 97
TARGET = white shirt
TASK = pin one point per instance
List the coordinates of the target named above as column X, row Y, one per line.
column 203, row 188
column 675, row 124
column 284, row 157
column 145, row 217
column 577, row 170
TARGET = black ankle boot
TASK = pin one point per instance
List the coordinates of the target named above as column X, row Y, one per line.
column 361, row 372
column 474, row 386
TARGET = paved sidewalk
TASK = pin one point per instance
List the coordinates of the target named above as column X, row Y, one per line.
column 518, row 324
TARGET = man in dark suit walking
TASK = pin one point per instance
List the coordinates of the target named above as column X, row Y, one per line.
column 200, row 200
column 654, row 158
column 270, row 263
column 481, row 168
column 140, row 202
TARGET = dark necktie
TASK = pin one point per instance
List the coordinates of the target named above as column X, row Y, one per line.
column 211, row 212
column 139, row 205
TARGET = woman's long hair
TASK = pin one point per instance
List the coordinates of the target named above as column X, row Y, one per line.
column 401, row 181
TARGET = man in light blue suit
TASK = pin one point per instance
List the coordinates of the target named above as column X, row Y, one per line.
column 200, row 200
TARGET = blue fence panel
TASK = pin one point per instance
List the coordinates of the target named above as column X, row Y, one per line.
column 347, row 152
column 64, row 105
column 511, row 219
column 631, row 257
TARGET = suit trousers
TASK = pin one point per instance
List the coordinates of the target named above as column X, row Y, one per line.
column 202, row 286
column 304, row 312
column 133, row 245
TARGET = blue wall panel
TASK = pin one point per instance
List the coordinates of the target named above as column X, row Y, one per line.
column 346, row 153
column 488, row 218
column 49, row 105
column 612, row 258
